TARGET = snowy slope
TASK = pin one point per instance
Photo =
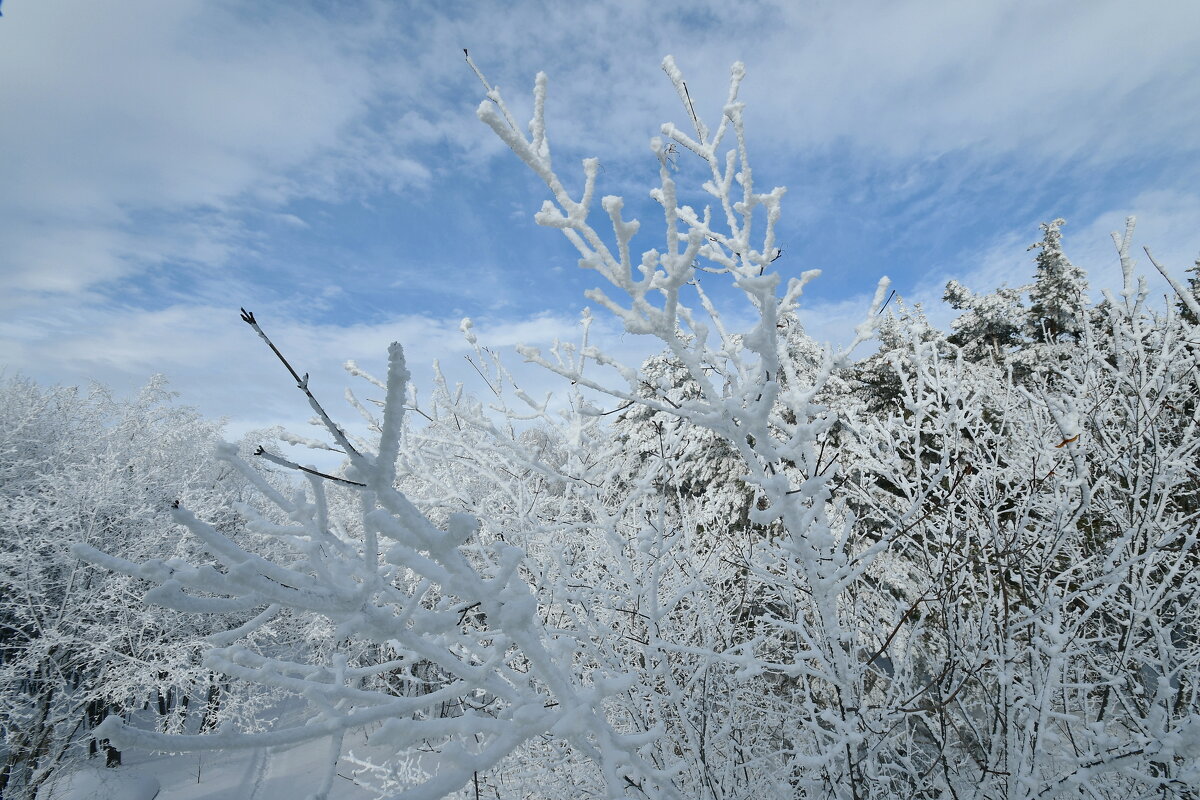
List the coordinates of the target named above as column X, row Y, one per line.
column 290, row 774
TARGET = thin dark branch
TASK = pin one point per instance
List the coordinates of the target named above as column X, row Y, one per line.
column 302, row 384
column 283, row 462
column 903, row 619
column 416, row 410
column 471, row 361
column 626, row 405
column 248, row 318
column 692, row 111
column 885, row 302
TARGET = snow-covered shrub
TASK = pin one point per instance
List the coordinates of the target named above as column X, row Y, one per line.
column 972, row 573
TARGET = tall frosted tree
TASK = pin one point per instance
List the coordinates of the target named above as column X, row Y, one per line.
column 1193, row 288
column 1058, row 295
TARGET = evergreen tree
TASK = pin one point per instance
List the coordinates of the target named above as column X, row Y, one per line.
column 1193, row 286
column 697, row 464
column 1059, row 291
column 898, row 333
column 993, row 323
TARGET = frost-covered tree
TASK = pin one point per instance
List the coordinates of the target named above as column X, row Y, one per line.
column 701, row 469
column 1030, row 512
column 395, row 579
column 982, row 585
column 878, row 376
column 1193, row 288
column 1059, row 291
column 77, row 643
column 993, row 323
column 455, row 615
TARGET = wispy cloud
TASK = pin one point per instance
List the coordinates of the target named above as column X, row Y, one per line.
column 170, row 107
column 164, row 163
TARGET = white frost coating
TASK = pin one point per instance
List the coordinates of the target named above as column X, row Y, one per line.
column 466, row 326
column 509, row 660
column 850, row 646
column 737, row 376
column 1188, row 300
column 312, row 444
column 358, row 372
column 747, row 568
column 393, row 416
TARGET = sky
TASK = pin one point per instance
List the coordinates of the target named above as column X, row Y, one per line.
column 320, row 163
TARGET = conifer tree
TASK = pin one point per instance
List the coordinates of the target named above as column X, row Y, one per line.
column 1193, row 286
column 1059, row 291
column 879, row 375
column 993, row 323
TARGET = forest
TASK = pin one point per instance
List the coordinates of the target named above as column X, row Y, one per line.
column 928, row 564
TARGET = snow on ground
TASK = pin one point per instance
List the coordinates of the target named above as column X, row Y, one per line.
column 96, row 783
column 286, row 774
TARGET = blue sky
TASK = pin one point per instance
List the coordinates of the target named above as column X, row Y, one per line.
column 163, row 163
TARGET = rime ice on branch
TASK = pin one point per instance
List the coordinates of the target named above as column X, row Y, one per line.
column 974, row 583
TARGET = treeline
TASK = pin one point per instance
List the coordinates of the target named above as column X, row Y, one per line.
column 77, row 643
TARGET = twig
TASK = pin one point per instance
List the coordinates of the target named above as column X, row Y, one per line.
column 692, row 111
column 478, row 74
column 1185, row 296
column 623, row 407
column 302, row 384
column 885, row 303
column 283, row 462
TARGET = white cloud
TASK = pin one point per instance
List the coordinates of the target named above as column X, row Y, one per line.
column 186, row 105
column 220, row 366
column 902, row 78
column 150, row 133
column 929, row 76
column 167, row 108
